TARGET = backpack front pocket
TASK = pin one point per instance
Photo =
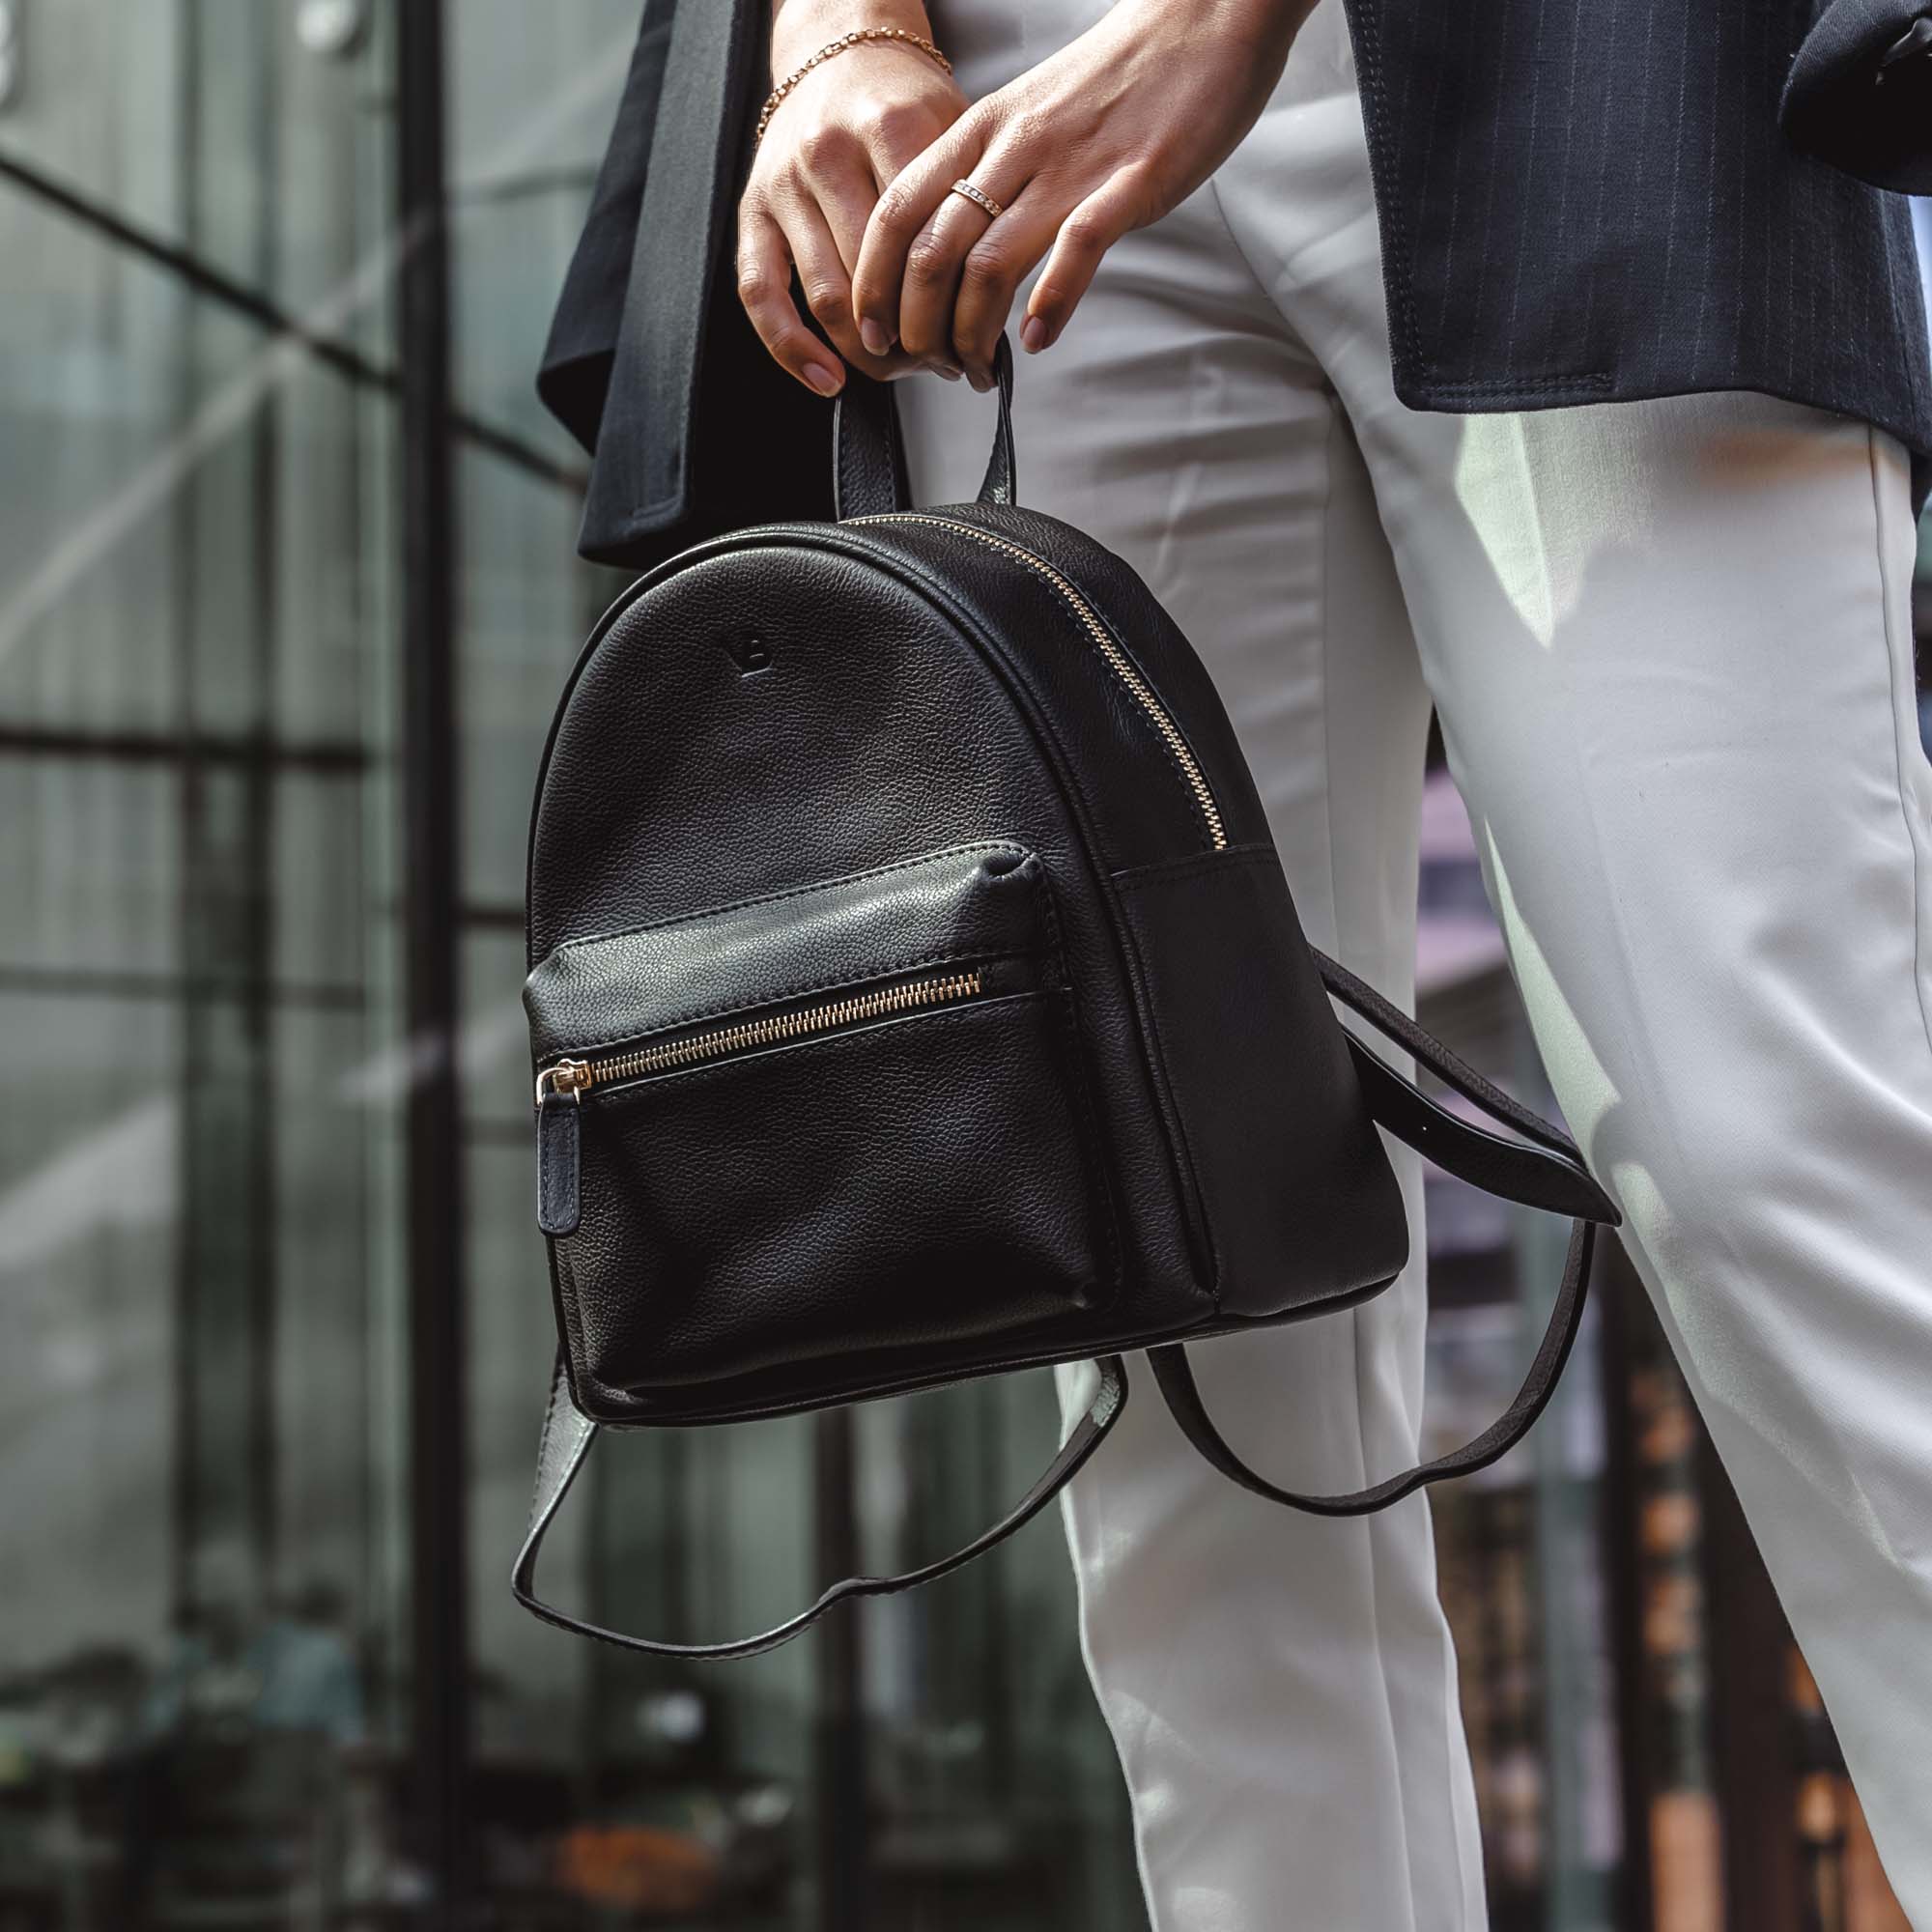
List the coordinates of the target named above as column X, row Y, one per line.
column 847, row 1117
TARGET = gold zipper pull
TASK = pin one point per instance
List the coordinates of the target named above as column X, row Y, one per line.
column 566, row 1080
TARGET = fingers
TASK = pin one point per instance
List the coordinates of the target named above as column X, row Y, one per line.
column 1085, row 236
column 894, row 136
column 822, row 277
column 990, row 275
column 963, row 268
column 822, row 209
column 809, row 217
column 922, row 274
column 764, row 288
column 929, row 292
column 908, row 202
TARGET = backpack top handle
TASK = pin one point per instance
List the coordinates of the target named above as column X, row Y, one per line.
column 868, row 467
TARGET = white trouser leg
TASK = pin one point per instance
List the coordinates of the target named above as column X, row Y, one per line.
column 1670, row 645
column 1671, row 649
column 1281, row 1690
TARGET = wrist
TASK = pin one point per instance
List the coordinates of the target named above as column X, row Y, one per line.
column 800, row 27
column 1267, row 26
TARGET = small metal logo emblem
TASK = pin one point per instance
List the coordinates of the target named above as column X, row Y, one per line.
column 749, row 650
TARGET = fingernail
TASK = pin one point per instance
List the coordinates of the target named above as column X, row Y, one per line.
column 873, row 335
column 1032, row 335
column 821, row 379
column 944, row 369
column 981, row 381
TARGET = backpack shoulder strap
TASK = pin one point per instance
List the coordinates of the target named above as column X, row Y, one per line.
column 1544, row 1169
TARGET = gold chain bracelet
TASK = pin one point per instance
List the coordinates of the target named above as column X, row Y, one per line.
column 857, row 38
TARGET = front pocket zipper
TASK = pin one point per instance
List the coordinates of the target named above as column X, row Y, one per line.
column 1112, row 654
column 562, row 1085
column 571, row 1078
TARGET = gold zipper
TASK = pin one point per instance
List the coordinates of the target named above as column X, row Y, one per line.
column 570, row 1078
column 1117, row 659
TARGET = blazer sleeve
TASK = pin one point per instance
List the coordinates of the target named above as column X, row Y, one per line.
column 1859, row 93
column 652, row 363
column 575, row 376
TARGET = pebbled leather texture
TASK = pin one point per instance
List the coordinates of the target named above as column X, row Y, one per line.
column 868, row 463
column 1240, row 1022
column 916, row 1181
column 799, row 769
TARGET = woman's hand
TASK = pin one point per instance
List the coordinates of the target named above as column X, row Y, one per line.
column 1106, row 135
column 834, row 142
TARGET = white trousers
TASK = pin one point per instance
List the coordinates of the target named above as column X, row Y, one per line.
column 1669, row 643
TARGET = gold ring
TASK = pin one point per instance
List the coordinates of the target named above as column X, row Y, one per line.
column 978, row 198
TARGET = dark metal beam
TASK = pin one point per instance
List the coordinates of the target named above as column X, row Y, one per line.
column 254, row 857
column 426, row 653
column 1625, row 1318
column 92, row 982
column 843, row 1820
column 1755, row 1730
column 185, row 1380
column 202, row 750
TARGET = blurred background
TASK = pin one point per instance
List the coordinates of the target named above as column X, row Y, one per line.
column 287, row 591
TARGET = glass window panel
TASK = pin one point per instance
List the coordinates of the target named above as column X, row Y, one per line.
column 496, row 1046
column 335, row 1315
column 90, row 867
column 320, row 880
column 89, row 1138
column 331, row 586
column 534, row 1709
column 95, row 99
column 532, row 94
column 201, row 1402
column 527, row 606
column 90, row 383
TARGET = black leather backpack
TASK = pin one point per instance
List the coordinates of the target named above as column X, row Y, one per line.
column 916, row 994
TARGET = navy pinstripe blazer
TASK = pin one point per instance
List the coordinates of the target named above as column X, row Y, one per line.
column 1578, row 203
